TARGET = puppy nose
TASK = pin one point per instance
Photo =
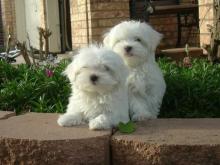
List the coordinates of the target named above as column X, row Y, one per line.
column 128, row 48
column 93, row 78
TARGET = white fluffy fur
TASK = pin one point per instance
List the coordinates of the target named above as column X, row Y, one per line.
column 104, row 103
column 145, row 82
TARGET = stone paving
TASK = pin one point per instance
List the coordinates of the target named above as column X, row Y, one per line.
column 35, row 138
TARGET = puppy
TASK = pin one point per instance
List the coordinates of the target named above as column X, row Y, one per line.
column 136, row 43
column 99, row 94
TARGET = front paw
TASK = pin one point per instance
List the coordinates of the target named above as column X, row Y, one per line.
column 68, row 120
column 99, row 122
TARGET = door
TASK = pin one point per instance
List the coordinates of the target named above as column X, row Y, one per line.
column 29, row 18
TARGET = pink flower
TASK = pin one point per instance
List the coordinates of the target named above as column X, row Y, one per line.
column 187, row 62
column 49, row 73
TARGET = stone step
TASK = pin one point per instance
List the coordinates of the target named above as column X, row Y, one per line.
column 6, row 114
column 35, row 138
column 169, row 142
column 178, row 54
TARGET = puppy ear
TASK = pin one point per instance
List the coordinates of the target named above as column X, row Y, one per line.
column 106, row 40
column 156, row 38
column 152, row 37
column 69, row 72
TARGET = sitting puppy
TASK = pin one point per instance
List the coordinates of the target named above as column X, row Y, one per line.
column 98, row 77
column 136, row 43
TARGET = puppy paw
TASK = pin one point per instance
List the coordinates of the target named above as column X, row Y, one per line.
column 141, row 117
column 68, row 120
column 100, row 122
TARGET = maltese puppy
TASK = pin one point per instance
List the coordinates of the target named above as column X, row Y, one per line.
column 136, row 43
column 99, row 92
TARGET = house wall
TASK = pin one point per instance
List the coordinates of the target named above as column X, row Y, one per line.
column 79, row 23
column 91, row 18
column 206, row 16
column 104, row 14
column 167, row 25
column 8, row 18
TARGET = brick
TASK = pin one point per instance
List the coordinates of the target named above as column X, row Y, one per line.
column 108, row 22
column 169, row 141
column 110, row 14
column 105, row 6
column 98, row 31
column 35, row 138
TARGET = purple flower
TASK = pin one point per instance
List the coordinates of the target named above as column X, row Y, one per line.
column 49, row 73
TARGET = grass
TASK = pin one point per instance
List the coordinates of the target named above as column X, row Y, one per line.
column 191, row 91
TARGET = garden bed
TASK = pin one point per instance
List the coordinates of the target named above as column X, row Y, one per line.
column 192, row 92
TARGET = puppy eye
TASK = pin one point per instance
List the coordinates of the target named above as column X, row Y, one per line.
column 107, row 68
column 138, row 39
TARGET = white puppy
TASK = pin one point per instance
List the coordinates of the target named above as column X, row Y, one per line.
column 136, row 43
column 99, row 94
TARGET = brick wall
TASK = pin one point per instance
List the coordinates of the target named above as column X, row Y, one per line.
column 8, row 17
column 206, row 16
column 105, row 15
column 167, row 24
column 79, row 23
column 91, row 18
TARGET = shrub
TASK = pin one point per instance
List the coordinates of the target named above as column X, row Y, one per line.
column 24, row 88
column 191, row 91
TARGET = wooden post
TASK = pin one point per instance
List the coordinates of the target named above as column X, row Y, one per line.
column 46, row 34
column 215, row 33
column 23, row 48
column 8, row 44
column 41, row 43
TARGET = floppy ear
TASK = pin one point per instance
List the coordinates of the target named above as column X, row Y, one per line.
column 151, row 36
column 106, row 40
column 155, row 39
column 69, row 72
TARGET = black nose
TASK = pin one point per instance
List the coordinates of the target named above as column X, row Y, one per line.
column 128, row 48
column 93, row 78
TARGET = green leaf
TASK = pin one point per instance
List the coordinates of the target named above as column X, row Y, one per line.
column 126, row 127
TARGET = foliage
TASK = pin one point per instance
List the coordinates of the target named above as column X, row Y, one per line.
column 24, row 88
column 191, row 91
column 126, row 127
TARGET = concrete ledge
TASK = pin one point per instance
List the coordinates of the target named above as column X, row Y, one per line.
column 36, row 138
column 178, row 54
column 6, row 114
column 169, row 141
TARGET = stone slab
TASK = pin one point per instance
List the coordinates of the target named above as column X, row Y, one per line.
column 35, row 138
column 6, row 114
column 179, row 53
column 169, row 142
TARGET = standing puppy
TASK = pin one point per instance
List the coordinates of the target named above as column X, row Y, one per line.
column 99, row 94
column 136, row 43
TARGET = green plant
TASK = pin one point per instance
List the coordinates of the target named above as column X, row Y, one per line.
column 191, row 91
column 24, row 88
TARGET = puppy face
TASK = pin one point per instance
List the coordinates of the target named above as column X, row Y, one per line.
column 134, row 41
column 96, row 70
